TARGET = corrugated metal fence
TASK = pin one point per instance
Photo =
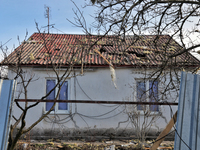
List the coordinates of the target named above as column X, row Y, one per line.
column 7, row 88
column 188, row 118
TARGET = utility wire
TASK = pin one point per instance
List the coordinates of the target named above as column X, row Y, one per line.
column 89, row 96
column 95, row 117
column 102, row 118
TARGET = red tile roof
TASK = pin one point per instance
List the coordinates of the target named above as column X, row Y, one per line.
column 65, row 49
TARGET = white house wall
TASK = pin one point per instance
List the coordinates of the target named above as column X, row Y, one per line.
column 95, row 84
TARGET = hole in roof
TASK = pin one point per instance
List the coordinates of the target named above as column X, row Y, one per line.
column 140, row 55
column 38, row 58
column 131, row 52
column 137, row 54
column 112, row 53
column 57, row 49
column 102, row 50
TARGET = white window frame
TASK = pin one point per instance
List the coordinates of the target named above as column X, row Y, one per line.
column 147, row 94
column 57, row 111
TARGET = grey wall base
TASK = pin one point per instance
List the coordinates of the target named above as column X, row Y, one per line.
column 89, row 135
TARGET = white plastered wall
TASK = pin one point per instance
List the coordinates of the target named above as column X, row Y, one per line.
column 94, row 84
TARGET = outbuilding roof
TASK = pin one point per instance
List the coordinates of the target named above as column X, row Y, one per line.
column 64, row 49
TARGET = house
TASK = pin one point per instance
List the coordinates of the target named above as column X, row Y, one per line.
column 137, row 68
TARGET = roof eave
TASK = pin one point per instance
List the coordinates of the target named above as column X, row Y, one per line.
column 101, row 66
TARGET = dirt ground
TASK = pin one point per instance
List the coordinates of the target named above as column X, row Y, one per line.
column 56, row 144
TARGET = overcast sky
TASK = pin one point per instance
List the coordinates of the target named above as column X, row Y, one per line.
column 19, row 16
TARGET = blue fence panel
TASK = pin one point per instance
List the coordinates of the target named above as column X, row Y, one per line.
column 7, row 88
column 187, row 133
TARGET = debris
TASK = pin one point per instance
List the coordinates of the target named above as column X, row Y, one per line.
column 113, row 75
column 46, row 55
column 112, row 147
column 31, row 56
column 105, row 145
column 59, row 146
column 108, row 142
column 25, row 145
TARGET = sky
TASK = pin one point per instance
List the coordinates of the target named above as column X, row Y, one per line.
column 18, row 17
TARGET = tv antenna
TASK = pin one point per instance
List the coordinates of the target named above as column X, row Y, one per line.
column 47, row 14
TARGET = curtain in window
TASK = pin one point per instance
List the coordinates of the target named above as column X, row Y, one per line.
column 49, row 86
column 63, row 96
column 141, row 94
column 153, row 94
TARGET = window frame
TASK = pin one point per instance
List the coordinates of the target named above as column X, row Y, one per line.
column 147, row 94
column 57, row 111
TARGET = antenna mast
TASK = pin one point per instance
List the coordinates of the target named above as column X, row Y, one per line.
column 47, row 16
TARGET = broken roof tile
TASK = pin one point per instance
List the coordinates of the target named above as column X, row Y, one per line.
column 97, row 50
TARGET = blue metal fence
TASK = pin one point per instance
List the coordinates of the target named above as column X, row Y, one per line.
column 188, row 118
column 7, row 88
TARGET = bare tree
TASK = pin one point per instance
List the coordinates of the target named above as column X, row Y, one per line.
column 53, row 57
column 25, row 78
column 131, row 20
column 127, row 20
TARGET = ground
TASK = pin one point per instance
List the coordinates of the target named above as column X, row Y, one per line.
column 56, row 144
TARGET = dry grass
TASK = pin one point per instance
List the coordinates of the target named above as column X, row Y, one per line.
column 82, row 145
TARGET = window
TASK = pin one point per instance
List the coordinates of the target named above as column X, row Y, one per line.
column 147, row 91
column 64, row 93
column 153, row 94
column 141, row 94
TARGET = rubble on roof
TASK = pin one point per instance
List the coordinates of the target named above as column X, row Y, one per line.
column 63, row 49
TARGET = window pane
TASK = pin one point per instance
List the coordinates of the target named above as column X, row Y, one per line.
column 63, row 96
column 141, row 94
column 153, row 94
column 50, row 85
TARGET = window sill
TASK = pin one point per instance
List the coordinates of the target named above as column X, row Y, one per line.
column 58, row 112
column 141, row 112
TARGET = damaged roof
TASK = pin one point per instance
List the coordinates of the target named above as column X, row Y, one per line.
column 65, row 49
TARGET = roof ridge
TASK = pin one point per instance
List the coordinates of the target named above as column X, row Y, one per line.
column 61, row 46
column 71, row 34
column 99, row 35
